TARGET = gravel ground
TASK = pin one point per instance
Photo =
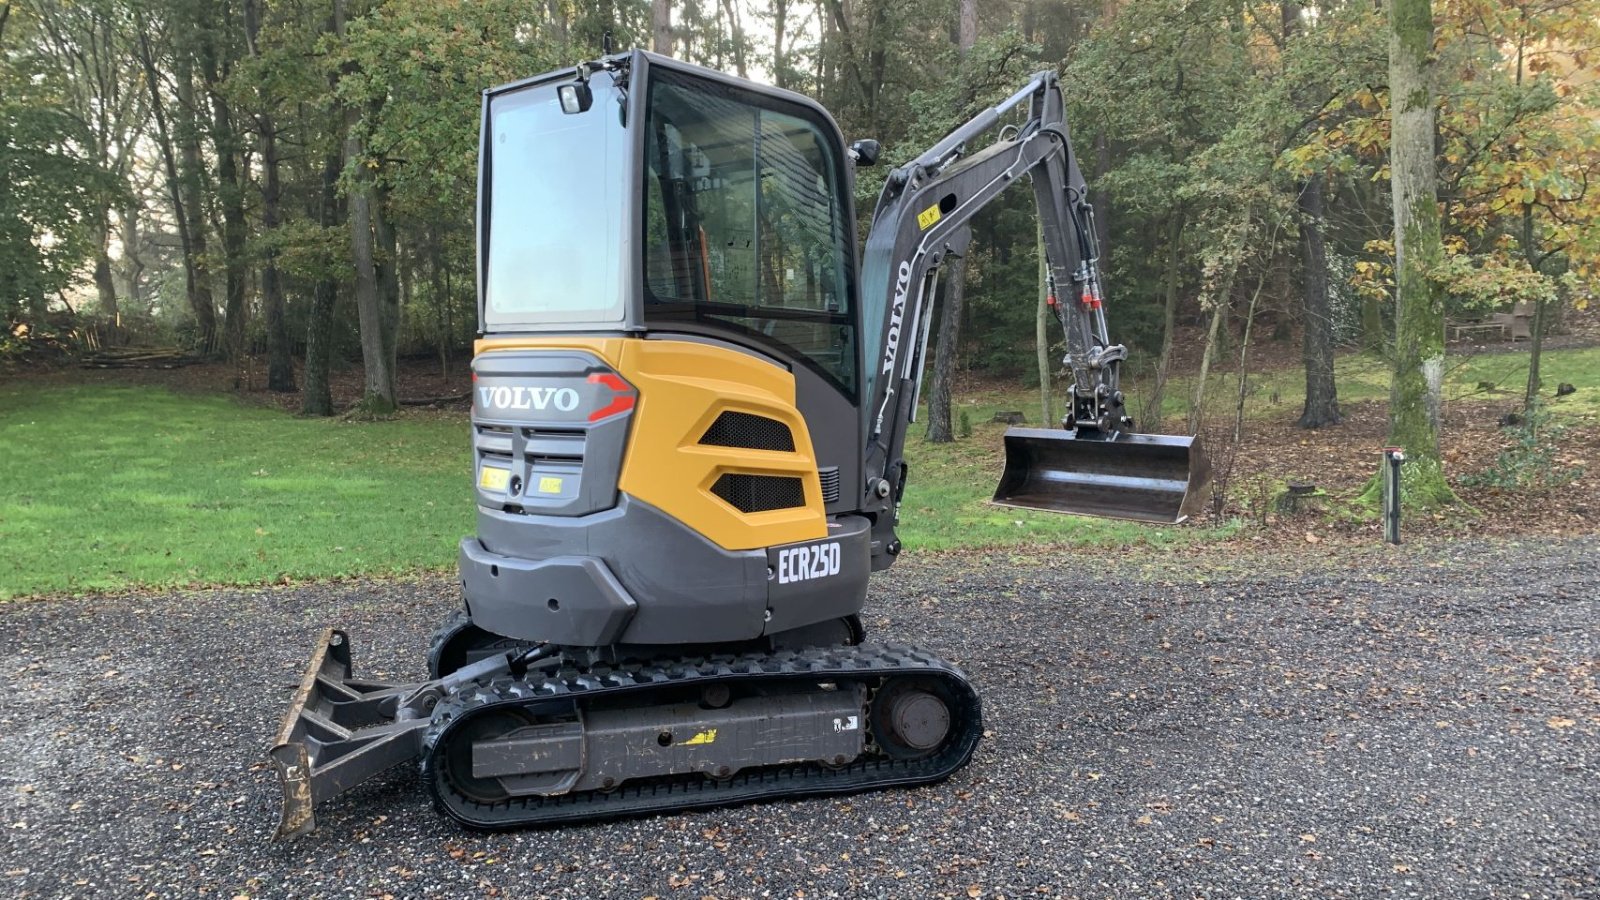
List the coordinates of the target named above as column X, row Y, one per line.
column 1422, row 724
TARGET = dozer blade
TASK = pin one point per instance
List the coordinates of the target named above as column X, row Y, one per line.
column 1143, row 477
column 339, row 732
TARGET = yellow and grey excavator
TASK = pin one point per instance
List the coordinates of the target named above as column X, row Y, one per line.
column 689, row 408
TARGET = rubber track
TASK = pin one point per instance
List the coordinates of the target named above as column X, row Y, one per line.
column 866, row 662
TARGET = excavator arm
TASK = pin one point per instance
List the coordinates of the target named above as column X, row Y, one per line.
column 1096, row 466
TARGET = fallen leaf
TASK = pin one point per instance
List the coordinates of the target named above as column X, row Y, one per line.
column 1559, row 722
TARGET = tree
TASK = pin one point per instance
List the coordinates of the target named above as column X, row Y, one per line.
column 280, row 368
column 51, row 194
column 1322, row 395
column 949, row 340
column 1418, row 378
column 183, row 181
column 377, row 336
column 87, row 46
column 661, row 26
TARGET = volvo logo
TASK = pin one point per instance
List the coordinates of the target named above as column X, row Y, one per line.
column 519, row 397
column 891, row 338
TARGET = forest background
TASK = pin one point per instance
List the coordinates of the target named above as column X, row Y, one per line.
column 288, row 186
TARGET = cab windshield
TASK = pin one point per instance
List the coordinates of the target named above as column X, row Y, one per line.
column 554, row 201
column 743, row 228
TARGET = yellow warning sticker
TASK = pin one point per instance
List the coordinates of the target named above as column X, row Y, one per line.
column 492, row 479
column 549, row 485
column 927, row 217
column 705, row 737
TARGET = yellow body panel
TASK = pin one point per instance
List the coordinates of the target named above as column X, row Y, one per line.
column 683, row 386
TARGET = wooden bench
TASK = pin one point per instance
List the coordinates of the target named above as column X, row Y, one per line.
column 1476, row 330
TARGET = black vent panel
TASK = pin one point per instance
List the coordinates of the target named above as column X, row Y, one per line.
column 751, row 432
column 829, row 475
column 759, row 493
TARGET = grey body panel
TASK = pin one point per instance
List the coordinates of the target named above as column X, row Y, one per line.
column 570, row 600
column 687, row 590
column 530, row 411
column 611, row 746
column 799, row 601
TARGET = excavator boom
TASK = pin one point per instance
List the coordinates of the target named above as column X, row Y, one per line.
column 1095, row 464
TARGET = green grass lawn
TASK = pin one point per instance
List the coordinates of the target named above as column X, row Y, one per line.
column 1367, row 378
column 108, row 487
column 112, row 487
column 1359, row 378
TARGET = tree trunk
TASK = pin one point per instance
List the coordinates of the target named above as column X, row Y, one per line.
column 944, row 358
column 1100, row 197
column 1244, row 353
column 661, row 26
column 227, row 144
column 195, row 291
column 739, row 63
column 1169, row 323
column 1041, row 337
column 1530, row 399
column 1417, row 388
column 132, row 268
column 967, row 30
column 388, row 271
column 1214, row 346
column 557, row 17
column 780, row 24
column 377, row 394
column 441, row 299
column 280, row 367
column 317, row 400
column 105, row 286
column 191, row 185
column 1322, row 397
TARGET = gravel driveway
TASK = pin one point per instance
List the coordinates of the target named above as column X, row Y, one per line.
column 1422, row 724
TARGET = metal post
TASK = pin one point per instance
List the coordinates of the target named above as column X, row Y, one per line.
column 1393, row 457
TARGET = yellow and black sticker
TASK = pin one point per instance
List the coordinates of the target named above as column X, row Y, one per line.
column 927, row 217
column 493, row 479
column 548, row 485
column 705, row 737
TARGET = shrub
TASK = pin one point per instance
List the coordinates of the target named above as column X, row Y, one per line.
column 1529, row 463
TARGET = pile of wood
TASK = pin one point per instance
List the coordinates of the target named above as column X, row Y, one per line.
column 137, row 358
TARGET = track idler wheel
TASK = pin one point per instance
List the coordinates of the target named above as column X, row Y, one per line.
column 911, row 717
column 458, row 758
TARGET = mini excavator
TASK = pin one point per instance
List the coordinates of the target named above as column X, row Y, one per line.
column 689, row 408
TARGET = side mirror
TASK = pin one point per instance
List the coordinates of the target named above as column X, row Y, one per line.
column 575, row 97
column 864, row 153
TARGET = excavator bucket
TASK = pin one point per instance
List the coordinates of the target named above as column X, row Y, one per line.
column 1143, row 477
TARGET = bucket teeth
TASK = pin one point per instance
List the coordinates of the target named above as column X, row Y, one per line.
column 1142, row 477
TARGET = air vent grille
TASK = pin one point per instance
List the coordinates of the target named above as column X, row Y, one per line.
column 759, row 493
column 830, row 483
column 751, row 432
